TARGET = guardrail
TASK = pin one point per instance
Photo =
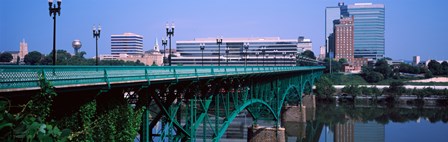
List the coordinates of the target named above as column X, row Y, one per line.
column 21, row 77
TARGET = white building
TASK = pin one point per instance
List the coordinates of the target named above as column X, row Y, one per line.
column 265, row 51
column 127, row 43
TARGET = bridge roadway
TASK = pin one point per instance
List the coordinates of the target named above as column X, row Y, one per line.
column 186, row 97
column 21, row 78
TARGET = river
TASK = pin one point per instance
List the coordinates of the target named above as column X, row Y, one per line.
column 362, row 123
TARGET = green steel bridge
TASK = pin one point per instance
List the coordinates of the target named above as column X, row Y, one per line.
column 187, row 97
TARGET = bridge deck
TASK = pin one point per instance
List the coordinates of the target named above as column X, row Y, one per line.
column 20, row 78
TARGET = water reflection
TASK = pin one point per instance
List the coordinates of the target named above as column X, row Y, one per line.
column 349, row 123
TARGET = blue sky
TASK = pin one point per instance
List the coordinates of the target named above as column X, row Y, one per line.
column 413, row 27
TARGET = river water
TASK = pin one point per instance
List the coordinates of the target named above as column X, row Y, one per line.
column 363, row 123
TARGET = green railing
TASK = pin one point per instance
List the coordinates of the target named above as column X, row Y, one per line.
column 27, row 77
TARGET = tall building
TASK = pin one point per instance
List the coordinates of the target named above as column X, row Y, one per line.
column 344, row 48
column 322, row 53
column 127, row 43
column 332, row 13
column 415, row 60
column 304, row 44
column 23, row 50
column 269, row 51
column 369, row 24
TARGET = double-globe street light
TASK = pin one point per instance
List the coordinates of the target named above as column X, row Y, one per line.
column 96, row 35
column 246, row 47
column 53, row 11
column 169, row 34
column 164, row 42
column 202, row 47
column 219, row 42
column 227, row 56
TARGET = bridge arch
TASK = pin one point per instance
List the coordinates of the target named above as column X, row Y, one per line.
column 235, row 112
column 283, row 99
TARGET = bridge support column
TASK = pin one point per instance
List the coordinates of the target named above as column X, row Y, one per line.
column 257, row 133
column 294, row 114
column 309, row 101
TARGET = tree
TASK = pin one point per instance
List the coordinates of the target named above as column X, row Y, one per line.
column 444, row 68
column 308, row 54
column 33, row 58
column 373, row 77
column 343, row 61
column 435, row 67
column 335, row 66
column 382, row 67
column 324, row 87
column 6, row 57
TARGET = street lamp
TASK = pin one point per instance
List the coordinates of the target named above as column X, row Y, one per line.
column 275, row 57
column 246, row 46
column 290, row 57
column 53, row 11
column 202, row 46
column 263, row 50
column 284, row 56
column 169, row 34
column 256, row 54
column 219, row 42
column 227, row 56
column 164, row 43
column 96, row 35
column 267, row 57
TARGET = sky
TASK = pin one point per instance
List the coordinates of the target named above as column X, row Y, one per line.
column 413, row 27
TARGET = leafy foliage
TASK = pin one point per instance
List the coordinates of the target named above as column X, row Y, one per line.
column 33, row 58
column 324, row 87
column 6, row 57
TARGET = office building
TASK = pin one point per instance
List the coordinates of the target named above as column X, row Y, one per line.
column 149, row 58
column 269, row 51
column 322, row 52
column 343, row 31
column 128, row 43
column 369, row 29
column 415, row 60
column 304, row 44
column 23, row 50
column 332, row 13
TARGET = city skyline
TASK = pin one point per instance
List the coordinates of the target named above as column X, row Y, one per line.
column 412, row 27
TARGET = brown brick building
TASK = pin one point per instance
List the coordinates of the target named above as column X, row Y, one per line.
column 344, row 39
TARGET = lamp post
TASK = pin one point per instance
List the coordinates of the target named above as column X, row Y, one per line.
column 284, row 56
column 290, row 57
column 219, row 42
column 169, row 34
column 164, row 43
column 96, row 35
column 267, row 57
column 275, row 57
column 227, row 56
column 53, row 11
column 246, row 47
column 202, row 46
column 264, row 53
column 256, row 54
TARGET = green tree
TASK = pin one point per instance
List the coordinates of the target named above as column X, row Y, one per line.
column 6, row 57
column 343, row 61
column 324, row 88
column 444, row 68
column 435, row 67
column 33, row 58
column 308, row 54
column 373, row 77
column 335, row 66
column 382, row 67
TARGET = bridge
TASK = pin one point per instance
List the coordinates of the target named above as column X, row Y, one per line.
column 186, row 97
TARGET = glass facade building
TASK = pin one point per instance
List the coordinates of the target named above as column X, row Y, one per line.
column 270, row 51
column 127, row 43
column 369, row 25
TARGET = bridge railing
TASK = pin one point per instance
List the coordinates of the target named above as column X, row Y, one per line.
column 27, row 77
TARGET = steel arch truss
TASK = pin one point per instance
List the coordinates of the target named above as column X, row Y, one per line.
column 184, row 106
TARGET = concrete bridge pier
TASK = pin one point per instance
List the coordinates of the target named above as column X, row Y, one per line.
column 309, row 101
column 256, row 133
